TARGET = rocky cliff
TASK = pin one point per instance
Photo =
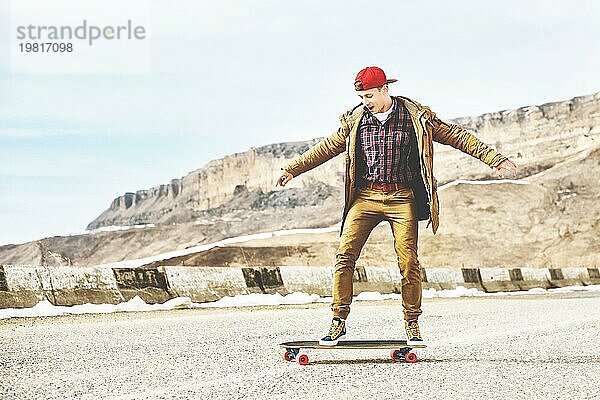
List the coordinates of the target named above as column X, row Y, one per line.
column 220, row 181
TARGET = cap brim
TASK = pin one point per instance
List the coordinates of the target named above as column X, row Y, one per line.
column 391, row 80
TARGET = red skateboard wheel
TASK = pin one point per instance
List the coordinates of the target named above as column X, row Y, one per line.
column 396, row 354
column 287, row 356
column 303, row 359
column 410, row 357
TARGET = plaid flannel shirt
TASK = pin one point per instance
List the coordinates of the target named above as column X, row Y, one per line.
column 387, row 146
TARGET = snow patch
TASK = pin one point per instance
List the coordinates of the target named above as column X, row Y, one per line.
column 195, row 249
column 490, row 182
column 258, row 299
column 113, row 228
column 46, row 309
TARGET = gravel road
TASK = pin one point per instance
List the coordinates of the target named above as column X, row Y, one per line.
column 521, row 347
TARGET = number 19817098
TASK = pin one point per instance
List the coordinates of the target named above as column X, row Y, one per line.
column 46, row 47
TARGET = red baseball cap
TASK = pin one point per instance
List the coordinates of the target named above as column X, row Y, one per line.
column 371, row 77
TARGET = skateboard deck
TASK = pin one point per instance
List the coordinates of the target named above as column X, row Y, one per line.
column 400, row 349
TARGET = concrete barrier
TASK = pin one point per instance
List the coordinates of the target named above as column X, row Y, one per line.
column 25, row 286
column 594, row 275
column 317, row 280
column 150, row 284
column 427, row 283
column 206, row 283
column 377, row 279
column 264, row 280
column 20, row 286
column 557, row 277
column 79, row 285
column 532, row 278
column 576, row 276
column 450, row 278
column 497, row 280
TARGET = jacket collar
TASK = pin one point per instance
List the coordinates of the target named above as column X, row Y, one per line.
column 416, row 111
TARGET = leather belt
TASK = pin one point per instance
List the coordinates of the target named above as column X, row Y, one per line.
column 386, row 187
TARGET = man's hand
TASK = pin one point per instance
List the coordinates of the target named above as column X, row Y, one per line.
column 284, row 178
column 507, row 168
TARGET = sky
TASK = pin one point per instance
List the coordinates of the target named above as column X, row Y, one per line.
column 215, row 78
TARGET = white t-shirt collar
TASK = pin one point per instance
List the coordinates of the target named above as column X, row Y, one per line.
column 382, row 116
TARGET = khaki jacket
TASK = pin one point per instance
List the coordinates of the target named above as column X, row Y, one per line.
column 427, row 128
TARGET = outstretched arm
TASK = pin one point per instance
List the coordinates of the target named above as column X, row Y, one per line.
column 321, row 152
column 459, row 138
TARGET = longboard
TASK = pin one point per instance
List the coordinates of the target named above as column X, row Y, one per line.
column 400, row 349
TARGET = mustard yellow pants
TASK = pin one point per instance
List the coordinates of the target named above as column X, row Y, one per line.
column 370, row 208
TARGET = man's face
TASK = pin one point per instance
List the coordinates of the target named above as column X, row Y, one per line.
column 374, row 99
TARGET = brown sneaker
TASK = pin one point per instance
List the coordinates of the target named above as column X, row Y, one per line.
column 337, row 331
column 413, row 333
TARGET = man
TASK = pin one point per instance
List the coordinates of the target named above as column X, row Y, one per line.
column 388, row 145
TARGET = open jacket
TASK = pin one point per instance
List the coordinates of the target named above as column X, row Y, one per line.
column 427, row 129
